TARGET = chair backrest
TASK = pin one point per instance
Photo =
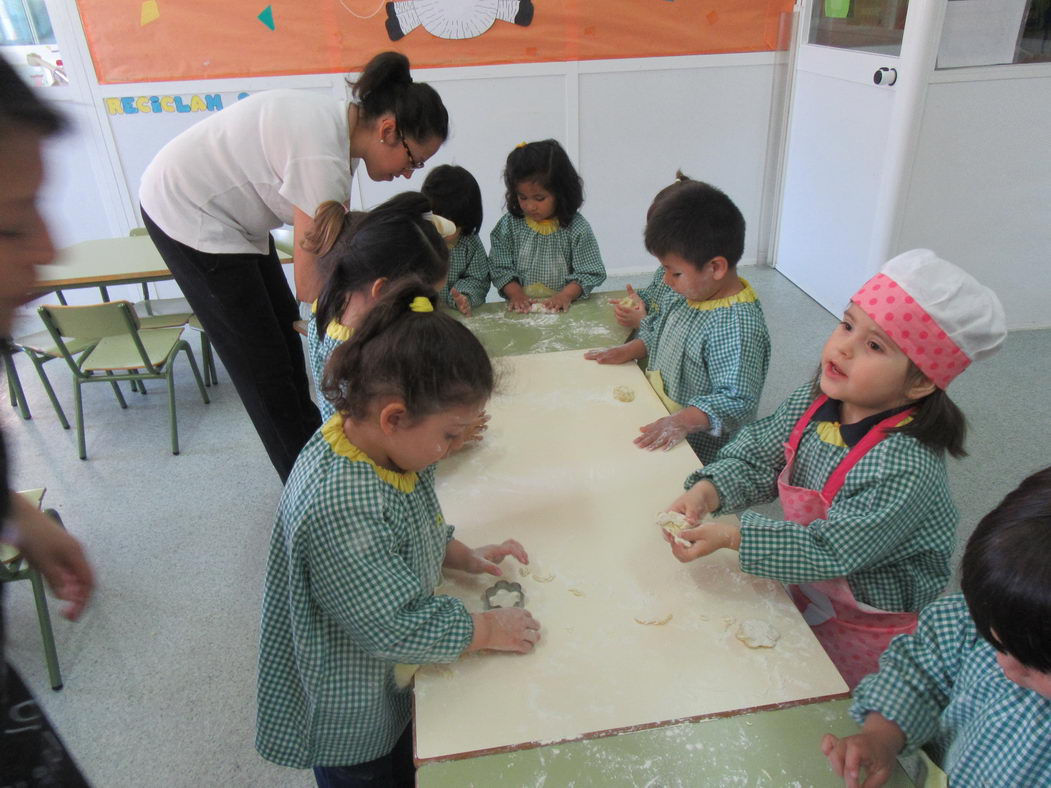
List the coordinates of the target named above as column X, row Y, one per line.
column 113, row 318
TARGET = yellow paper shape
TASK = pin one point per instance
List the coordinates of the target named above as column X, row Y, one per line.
column 149, row 13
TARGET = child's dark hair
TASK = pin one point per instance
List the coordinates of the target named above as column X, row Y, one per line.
column 20, row 106
column 680, row 179
column 696, row 221
column 392, row 240
column 1006, row 574
column 386, row 86
column 426, row 358
column 547, row 164
column 453, row 193
column 936, row 422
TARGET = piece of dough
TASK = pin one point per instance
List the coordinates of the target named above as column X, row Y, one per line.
column 653, row 619
column 541, row 574
column 673, row 523
column 757, row 634
column 547, row 310
column 504, row 598
column 538, row 290
column 627, row 301
column 576, row 592
column 523, row 571
column 623, row 393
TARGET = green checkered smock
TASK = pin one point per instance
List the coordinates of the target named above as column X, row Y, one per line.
column 355, row 557
column 468, row 271
column 890, row 530
column 569, row 254
column 712, row 355
column 943, row 688
column 653, row 293
column 319, row 349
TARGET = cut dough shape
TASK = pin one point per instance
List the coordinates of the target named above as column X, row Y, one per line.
column 653, row 620
column 623, row 393
column 504, row 598
column 673, row 523
column 543, row 578
column 757, row 634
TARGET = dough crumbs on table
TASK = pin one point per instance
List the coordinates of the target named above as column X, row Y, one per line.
column 757, row 634
column 576, row 592
column 623, row 393
column 653, row 621
column 728, row 621
column 544, row 578
column 523, row 571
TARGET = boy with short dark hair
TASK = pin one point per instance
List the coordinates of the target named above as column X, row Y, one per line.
column 707, row 344
column 973, row 684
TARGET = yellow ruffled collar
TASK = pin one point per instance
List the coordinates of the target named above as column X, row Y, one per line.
column 546, row 227
column 332, row 431
column 746, row 296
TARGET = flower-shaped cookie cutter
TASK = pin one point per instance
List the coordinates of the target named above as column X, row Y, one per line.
column 503, row 585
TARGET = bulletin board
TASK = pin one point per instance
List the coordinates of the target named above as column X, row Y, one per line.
column 161, row 40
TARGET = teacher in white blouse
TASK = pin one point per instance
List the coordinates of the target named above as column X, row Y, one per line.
column 212, row 195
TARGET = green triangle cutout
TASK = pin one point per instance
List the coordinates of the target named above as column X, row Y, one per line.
column 267, row 17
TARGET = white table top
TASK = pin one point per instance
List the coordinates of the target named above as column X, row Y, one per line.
column 557, row 471
column 106, row 261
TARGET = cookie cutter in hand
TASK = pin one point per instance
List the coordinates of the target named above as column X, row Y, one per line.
column 503, row 585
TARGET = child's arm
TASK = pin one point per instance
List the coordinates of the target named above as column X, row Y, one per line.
column 503, row 265
column 874, row 751
column 585, row 261
column 473, row 283
column 668, row 432
column 621, row 354
column 567, row 295
column 629, row 315
column 482, row 559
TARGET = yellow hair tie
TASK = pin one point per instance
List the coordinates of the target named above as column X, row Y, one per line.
column 521, row 144
column 421, row 304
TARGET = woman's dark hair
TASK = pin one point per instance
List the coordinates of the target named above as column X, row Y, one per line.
column 1006, row 574
column 547, row 164
column 386, row 86
column 19, row 105
column 696, row 221
column 391, row 241
column 936, row 422
column 454, row 194
column 428, row 359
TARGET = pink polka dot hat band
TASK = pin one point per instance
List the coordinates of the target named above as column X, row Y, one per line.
column 940, row 316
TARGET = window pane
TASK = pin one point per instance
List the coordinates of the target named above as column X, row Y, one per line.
column 868, row 25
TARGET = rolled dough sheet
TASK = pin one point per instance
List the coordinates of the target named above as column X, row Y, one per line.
column 558, row 472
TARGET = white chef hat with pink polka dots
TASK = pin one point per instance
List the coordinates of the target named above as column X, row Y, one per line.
column 940, row 316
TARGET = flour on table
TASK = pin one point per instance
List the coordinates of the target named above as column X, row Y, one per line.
column 673, row 523
column 728, row 621
column 757, row 634
column 547, row 310
column 623, row 393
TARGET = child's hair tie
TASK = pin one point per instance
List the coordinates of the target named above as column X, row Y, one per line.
column 421, row 304
column 521, row 145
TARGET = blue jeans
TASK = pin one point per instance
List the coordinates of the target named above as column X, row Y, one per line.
column 393, row 769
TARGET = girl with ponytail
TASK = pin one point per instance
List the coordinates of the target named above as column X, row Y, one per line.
column 212, row 195
column 359, row 546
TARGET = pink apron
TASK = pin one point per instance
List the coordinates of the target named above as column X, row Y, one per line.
column 854, row 634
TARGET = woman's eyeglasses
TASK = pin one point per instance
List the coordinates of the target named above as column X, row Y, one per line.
column 413, row 164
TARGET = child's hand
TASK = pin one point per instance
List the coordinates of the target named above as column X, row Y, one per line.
column 704, row 539
column 461, row 301
column 629, row 316
column 610, row 355
column 505, row 629
column 559, row 302
column 517, row 300
column 485, row 558
column 695, row 503
column 876, row 754
column 663, row 433
column 56, row 554
column 472, row 433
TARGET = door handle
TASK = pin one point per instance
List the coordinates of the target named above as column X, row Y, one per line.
column 885, row 76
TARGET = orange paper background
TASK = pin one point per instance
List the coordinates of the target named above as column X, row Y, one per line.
column 198, row 39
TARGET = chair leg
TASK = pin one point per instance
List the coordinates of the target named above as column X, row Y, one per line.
column 14, row 387
column 171, row 409
column 82, row 448
column 46, row 633
column 116, row 390
column 46, row 383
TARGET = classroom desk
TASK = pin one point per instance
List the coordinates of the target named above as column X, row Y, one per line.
column 103, row 262
column 765, row 749
column 588, row 323
column 631, row 637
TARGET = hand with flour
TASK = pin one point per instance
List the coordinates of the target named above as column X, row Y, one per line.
column 505, row 629
column 629, row 310
column 875, row 750
column 461, row 301
column 668, row 432
column 621, row 354
column 472, row 433
column 704, row 539
column 695, row 503
column 483, row 559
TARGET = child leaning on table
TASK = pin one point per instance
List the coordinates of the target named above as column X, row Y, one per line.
column 360, row 543
column 454, row 194
column 542, row 248
column 361, row 255
column 857, row 458
column 707, row 345
column 973, row 684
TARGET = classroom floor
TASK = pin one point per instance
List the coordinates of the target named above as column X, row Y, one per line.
column 160, row 672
